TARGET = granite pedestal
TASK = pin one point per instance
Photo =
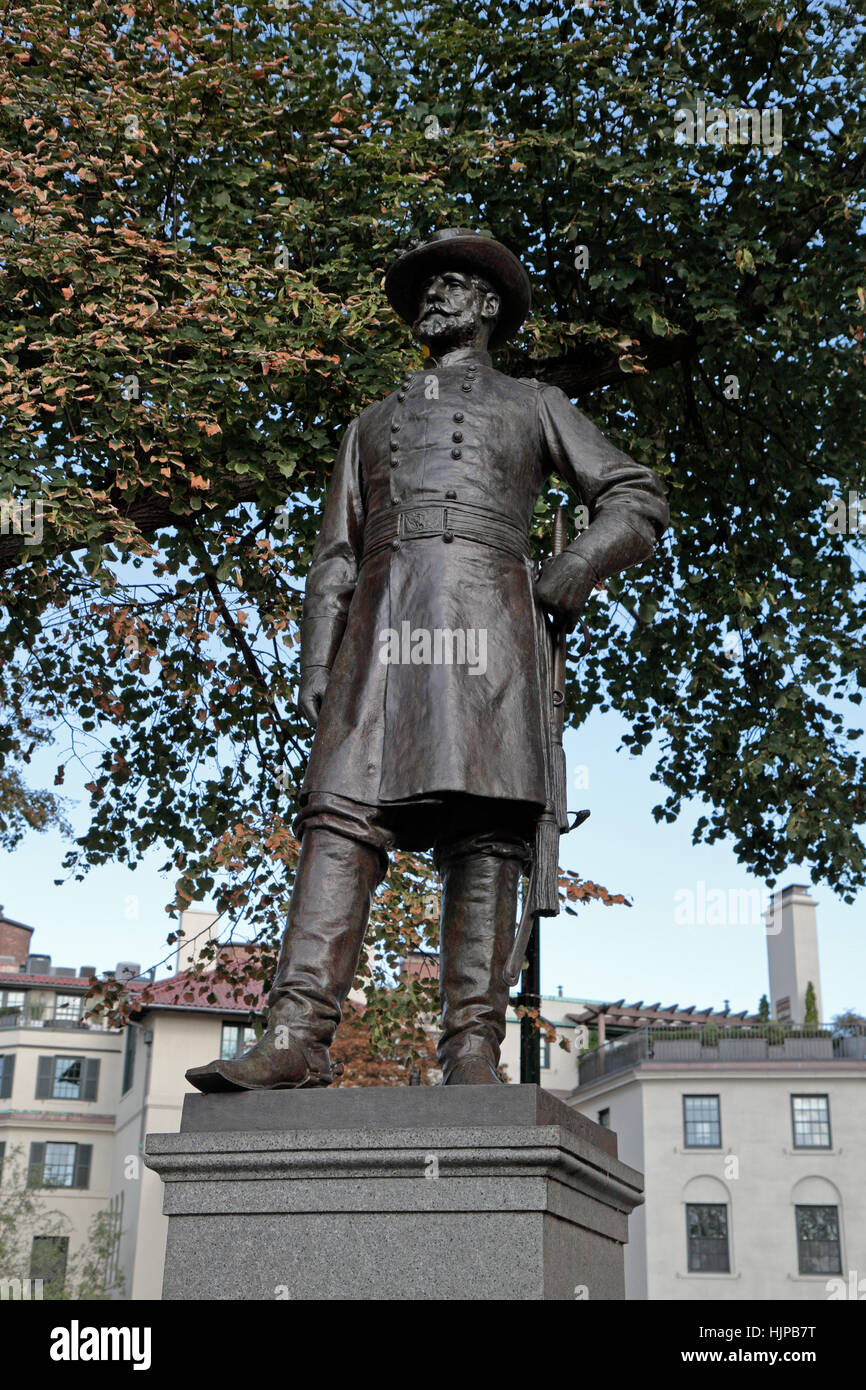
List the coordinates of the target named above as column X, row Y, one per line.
column 416, row 1192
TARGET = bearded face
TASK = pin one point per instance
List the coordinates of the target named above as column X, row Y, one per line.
column 455, row 310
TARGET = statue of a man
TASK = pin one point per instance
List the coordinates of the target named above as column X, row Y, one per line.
column 421, row 661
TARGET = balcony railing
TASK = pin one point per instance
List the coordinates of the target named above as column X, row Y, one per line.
column 771, row 1043
column 43, row 1016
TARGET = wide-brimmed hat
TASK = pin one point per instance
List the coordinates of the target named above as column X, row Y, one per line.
column 455, row 248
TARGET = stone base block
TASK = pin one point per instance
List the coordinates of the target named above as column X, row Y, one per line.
column 421, row 1192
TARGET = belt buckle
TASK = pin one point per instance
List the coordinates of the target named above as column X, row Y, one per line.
column 421, row 521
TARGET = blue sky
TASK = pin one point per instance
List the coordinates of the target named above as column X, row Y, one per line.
column 644, row 952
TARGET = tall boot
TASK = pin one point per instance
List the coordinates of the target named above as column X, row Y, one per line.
column 479, row 907
column 328, row 916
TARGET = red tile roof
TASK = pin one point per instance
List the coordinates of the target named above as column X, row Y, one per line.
column 182, row 992
column 19, row 977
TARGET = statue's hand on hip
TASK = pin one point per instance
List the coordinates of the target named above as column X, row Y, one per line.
column 311, row 693
column 563, row 588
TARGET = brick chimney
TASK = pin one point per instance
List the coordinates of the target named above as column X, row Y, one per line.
column 15, row 940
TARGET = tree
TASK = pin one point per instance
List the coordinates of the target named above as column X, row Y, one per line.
column 764, row 1009
column 850, row 1023
column 710, row 1034
column 21, row 807
column 810, row 1017
column 199, row 204
column 390, row 1059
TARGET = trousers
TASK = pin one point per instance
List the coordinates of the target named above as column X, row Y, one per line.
column 479, row 848
column 444, row 823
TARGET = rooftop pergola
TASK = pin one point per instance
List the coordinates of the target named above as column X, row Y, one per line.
column 624, row 1018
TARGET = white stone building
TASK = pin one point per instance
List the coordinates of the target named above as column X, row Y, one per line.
column 59, row 1077
column 751, row 1139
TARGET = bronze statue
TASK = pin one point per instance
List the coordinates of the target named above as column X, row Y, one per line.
column 425, row 663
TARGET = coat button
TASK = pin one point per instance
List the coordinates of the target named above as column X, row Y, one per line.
column 458, row 416
column 467, row 386
column 395, row 425
column 394, row 446
column 395, row 463
column 451, row 497
column 457, row 437
column 395, row 545
column 457, row 453
column 447, row 536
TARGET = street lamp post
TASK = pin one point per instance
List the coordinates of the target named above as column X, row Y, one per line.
column 530, row 998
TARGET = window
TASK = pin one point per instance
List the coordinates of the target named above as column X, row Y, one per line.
column 67, row 1007
column 810, row 1116
column 236, row 1039
column 818, row 1248
column 58, row 1170
column 67, row 1078
column 544, row 1054
column 702, row 1122
column 129, row 1058
column 707, row 1233
column 48, row 1256
column 59, row 1165
column 7, row 1072
column 12, row 1007
column 604, row 1118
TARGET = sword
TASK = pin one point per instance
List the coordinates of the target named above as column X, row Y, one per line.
column 542, row 894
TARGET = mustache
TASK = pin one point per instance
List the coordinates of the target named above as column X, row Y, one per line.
column 436, row 311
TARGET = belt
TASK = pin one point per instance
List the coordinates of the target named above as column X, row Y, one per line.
column 454, row 521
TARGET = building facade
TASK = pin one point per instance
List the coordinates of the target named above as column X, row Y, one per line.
column 59, row 1077
column 753, row 1168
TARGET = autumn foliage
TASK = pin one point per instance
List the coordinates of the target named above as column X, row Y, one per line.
column 198, row 203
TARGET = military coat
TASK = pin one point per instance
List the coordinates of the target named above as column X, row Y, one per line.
column 407, row 715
